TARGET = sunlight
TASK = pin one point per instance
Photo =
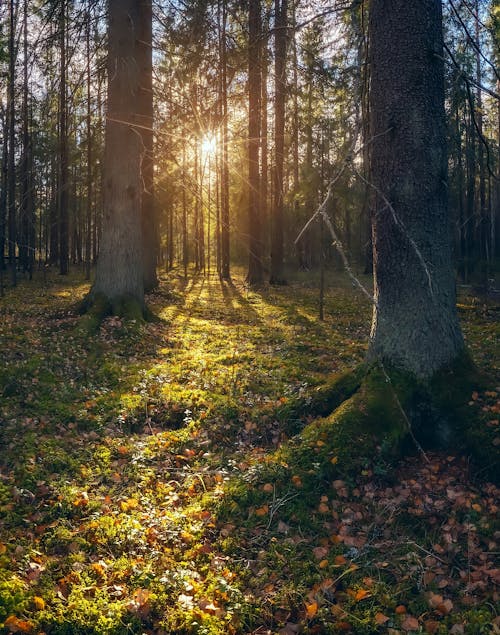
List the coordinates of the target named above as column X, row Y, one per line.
column 209, row 144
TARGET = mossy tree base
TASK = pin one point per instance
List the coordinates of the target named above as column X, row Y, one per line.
column 96, row 307
column 371, row 417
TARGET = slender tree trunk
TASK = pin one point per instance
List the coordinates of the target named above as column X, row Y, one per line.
column 264, row 163
column 185, row 253
column 11, row 180
column 224, row 177
column 255, row 274
column 482, row 215
column 295, row 127
column 415, row 325
column 145, row 111
column 88, row 233
column 63, row 185
column 3, row 188
column 277, row 227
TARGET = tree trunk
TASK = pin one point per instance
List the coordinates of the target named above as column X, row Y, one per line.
column 224, row 176
column 11, row 164
column 277, row 228
column 415, row 326
column 145, row 121
column 119, row 274
column 255, row 274
column 63, row 185
column 88, row 233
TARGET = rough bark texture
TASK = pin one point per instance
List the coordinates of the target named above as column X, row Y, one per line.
column 255, row 268
column 415, row 326
column 281, row 40
column 119, row 267
column 145, row 119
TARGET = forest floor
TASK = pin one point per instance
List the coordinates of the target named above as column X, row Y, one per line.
column 132, row 496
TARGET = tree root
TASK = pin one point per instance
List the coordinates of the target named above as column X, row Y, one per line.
column 96, row 307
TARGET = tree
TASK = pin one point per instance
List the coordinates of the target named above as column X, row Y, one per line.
column 63, row 181
column 145, row 113
column 415, row 325
column 119, row 275
column 255, row 274
column 281, row 40
column 415, row 388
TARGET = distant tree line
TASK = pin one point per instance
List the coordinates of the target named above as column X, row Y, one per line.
column 258, row 107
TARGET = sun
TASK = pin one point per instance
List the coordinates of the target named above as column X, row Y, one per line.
column 209, row 144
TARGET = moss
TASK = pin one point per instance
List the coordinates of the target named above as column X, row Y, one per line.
column 128, row 308
column 94, row 308
column 462, row 423
column 368, row 423
column 12, row 596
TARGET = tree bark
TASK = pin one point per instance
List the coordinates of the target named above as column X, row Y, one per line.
column 277, row 228
column 11, row 164
column 119, row 272
column 415, row 326
column 63, row 184
column 255, row 274
column 224, row 177
column 145, row 121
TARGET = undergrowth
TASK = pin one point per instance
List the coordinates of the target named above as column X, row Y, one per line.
column 150, row 480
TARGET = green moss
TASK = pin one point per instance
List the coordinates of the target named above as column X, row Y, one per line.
column 128, row 308
column 94, row 308
column 12, row 596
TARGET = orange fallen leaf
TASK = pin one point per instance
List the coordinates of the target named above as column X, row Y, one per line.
column 15, row 625
column 361, row 594
column 39, row 603
column 323, row 564
column 340, row 560
column 380, row 619
column 262, row 511
column 400, row 609
column 311, row 609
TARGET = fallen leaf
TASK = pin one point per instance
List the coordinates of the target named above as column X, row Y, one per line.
column 380, row 619
column 410, row 624
column 361, row 594
column 311, row 609
column 39, row 603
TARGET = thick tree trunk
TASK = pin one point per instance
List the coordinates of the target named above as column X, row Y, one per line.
column 119, row 272
column 415, row 326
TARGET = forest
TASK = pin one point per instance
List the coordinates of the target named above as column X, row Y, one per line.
column 249, row 300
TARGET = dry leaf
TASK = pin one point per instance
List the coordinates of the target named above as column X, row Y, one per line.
column 311, row 609
column 39, row 603
column 410, row 624
column 380, row 619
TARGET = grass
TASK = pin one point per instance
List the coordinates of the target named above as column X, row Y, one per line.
column 144, row 483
